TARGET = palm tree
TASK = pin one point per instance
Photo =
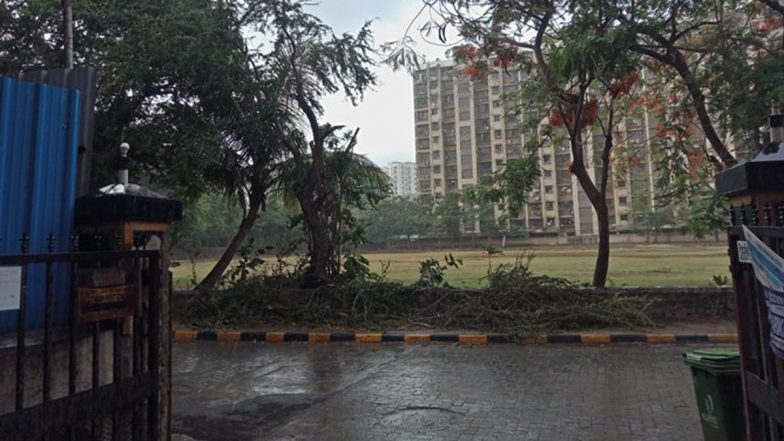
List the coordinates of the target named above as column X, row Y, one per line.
column 315, row 62
column 350, row 181
column 272, row 130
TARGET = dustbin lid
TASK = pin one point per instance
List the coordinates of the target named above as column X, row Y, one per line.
column 718, row 361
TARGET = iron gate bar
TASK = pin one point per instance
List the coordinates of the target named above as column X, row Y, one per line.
column 21, row 329
column 131, row 394
column 48, row 323
column 764, row 396
column 761, row 376
column 86, row 256
column 102, row 401
column 762, row 232
column 154, row 344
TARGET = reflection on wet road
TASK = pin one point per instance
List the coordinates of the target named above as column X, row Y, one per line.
column 247, row 392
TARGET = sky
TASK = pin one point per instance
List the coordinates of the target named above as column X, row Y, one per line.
column 386, row 115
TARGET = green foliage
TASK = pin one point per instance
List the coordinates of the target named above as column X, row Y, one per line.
column 209, row 221
column 396, row 217
column 720, row 280
column 448, row 214
column 432, row 271
column 517, row 301
column 249, row 263
column 512, row 185
column 160, row 64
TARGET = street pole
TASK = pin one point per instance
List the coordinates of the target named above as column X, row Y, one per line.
column 68, row 24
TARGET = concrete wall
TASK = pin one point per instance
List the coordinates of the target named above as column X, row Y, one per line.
column 59, row 370
column 679, row 302
column 481, row 241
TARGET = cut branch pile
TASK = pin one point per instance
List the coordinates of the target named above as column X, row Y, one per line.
column 516, row 301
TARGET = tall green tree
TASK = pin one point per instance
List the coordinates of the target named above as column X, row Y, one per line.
column 353, row 183
column 578, row 69
column 156, row 60
column 313, row 61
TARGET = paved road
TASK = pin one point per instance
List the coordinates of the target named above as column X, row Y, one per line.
column 346, row 392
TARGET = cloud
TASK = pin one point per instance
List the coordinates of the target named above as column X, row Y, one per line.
column 386, row 115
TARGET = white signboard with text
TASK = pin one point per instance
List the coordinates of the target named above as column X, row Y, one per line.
column 10, row 286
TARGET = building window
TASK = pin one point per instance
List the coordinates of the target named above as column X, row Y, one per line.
column 547, row 159
column 621, row 183
column 436, row 140
column 496, row 90
column 496, row 118
column 635, row 136
column 434, row 126
column 436, row 169
column 549, row 205
column 496, row 104
column 436, row 154
column 548, row 173
column 465, row 115
column 437, row 182
column 624, row 218
column 434, row 111
column 499, row 148
column 465, row 130
column 548, row 189
column 622, row 201
column 499, row 162
column 497, row 134
column 550, row 222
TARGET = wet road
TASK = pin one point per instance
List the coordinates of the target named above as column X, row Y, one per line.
column 247, row 392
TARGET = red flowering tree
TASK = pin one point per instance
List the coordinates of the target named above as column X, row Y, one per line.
column 576, row 82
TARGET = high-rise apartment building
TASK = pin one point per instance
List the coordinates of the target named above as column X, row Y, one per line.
column 402, row 177
column 465, row 131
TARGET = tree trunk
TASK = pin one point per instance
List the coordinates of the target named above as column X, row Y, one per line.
column 319, row 253
column 597, row 197
column 677, row 62
column 319, row 244
column 243, row 231
column 603, row 256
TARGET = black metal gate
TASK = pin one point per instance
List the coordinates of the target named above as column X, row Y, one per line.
column 763, row 372
column 94, row 375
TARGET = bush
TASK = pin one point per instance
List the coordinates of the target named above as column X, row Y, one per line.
column 517, row 301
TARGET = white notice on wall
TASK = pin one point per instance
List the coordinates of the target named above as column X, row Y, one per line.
column 744, row 254
column 10, row 285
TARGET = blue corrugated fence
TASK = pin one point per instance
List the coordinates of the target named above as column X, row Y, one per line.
column 39, row 132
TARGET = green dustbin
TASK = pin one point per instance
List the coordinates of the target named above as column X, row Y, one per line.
column 717, row 384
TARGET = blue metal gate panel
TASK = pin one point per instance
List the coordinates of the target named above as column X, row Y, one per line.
column 39, row 132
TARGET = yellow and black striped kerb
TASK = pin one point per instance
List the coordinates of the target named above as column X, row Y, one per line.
column 190, row 335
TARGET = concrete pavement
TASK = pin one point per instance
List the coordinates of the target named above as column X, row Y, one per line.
column 247, row 392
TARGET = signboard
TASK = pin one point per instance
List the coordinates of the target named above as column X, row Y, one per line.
column 744, row 255
column 96, row 304
column 769, row 272
column 10, row 287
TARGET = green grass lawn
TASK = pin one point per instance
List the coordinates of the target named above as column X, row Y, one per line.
column 641, row 265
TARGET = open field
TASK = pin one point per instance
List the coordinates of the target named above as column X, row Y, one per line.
column 640, row 265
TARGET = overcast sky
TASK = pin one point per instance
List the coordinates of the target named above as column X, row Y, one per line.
column 386, row 116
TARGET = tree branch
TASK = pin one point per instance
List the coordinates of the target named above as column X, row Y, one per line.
column 775, row 5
